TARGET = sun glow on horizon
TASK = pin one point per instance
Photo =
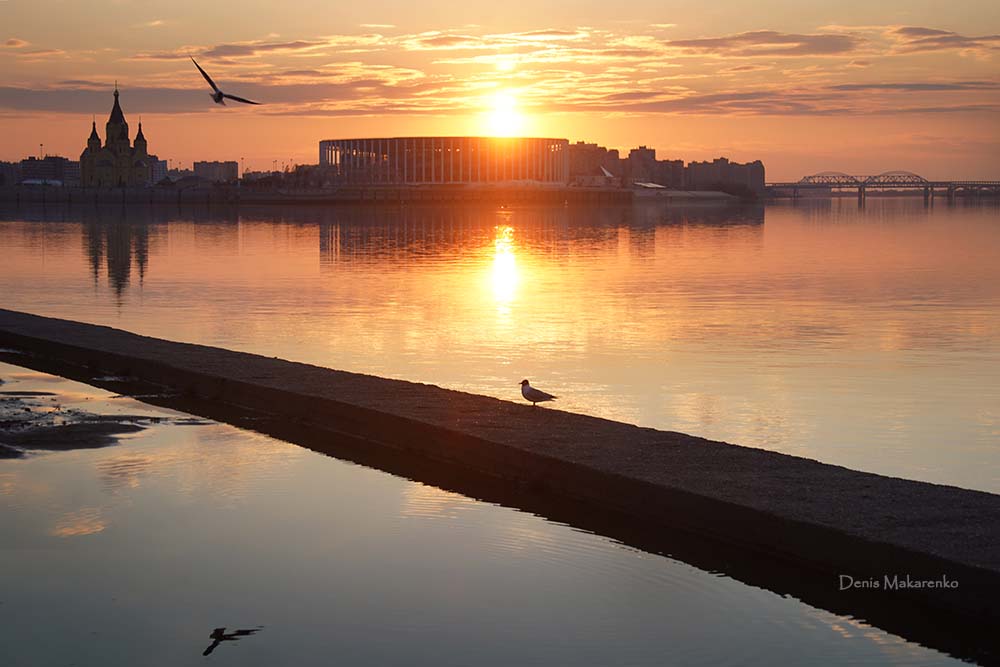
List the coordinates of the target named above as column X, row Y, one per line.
column 504, row 120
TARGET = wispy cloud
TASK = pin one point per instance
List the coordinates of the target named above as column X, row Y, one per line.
column 40, row 54
column 916, row 39
column 920, row 86
column 253, row 49
column 770, row 43
column 827, row 71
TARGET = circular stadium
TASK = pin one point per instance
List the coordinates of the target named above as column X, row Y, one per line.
column 444, row 160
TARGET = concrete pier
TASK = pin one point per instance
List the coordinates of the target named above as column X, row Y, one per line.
column 812, row 520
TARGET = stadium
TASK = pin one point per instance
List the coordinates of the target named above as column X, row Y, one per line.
column 446, row 160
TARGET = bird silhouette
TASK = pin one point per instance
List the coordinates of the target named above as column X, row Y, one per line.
column 217, row 95
column 536, row 396
column 220, row 635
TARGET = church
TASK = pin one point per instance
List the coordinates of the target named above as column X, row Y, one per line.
column 118, row 163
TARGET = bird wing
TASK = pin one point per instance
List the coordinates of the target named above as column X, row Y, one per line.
column 239, row 99
column 538, row 395
column 245, row 633
column 205, row 74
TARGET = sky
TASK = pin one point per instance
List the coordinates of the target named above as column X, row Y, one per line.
column 851, row 86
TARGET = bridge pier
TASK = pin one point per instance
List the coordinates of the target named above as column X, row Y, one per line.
column 861, row 195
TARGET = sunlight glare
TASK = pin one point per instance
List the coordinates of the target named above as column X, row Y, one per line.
column 505, row 120
column 504, row 275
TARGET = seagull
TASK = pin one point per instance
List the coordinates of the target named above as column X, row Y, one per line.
column 218, row 95
column 220, row 635
column 534, row 395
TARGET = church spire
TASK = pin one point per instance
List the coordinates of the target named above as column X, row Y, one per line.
column 117, row 116
column 117, row 127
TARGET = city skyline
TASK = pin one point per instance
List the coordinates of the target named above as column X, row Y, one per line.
column 805, row 91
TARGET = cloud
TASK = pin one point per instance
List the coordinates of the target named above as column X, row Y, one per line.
column 746, row 68
column 440, row 40
column 770, row 43
column 40, row 54
column 16, row 43
column 920, row 86
column 244, row 50
column 592, row 70
column 916, row 39
column 256, row 48
column 551, row 34
column 437, row 40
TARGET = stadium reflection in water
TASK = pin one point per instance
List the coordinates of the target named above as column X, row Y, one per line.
column 865, row 338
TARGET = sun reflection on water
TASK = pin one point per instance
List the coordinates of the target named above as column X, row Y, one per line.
column 504, row 274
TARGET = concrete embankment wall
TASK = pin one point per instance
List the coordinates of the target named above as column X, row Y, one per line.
column 822, row 518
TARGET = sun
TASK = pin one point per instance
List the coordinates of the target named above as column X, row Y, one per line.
column 504, row 120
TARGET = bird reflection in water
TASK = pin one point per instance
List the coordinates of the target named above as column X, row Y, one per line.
column 220, row 635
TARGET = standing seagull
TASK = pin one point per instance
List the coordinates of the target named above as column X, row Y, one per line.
column 218, row 95
column 534, row 395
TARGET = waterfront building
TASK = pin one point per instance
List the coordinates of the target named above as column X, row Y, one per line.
column 10, row 173
column 670, row 174
column 218, row 172
column 177, row 174
column 158, row 171
column 443, row 160
column 118, row 162
column 258, row 175
column 721, row 174
column 592, row 165
column 52, row 169
column 641, row 166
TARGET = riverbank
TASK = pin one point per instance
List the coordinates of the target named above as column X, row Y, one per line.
column 232, row 195
column 816, row 518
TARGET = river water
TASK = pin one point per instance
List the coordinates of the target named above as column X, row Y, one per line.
column 868, row 338
column 134, row 554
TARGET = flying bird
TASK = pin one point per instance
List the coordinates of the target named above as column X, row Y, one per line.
column 219, row 96
column 534, row 395
column 220, row 635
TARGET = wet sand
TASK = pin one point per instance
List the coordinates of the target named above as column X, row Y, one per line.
column 34, row 420
column 825, row 518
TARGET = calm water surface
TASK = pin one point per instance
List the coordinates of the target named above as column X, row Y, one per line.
column 867, row 338
column 133, row 554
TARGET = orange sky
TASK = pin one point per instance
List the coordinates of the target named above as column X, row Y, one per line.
column 844, row 86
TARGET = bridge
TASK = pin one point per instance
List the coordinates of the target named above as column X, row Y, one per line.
column 890, row 180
